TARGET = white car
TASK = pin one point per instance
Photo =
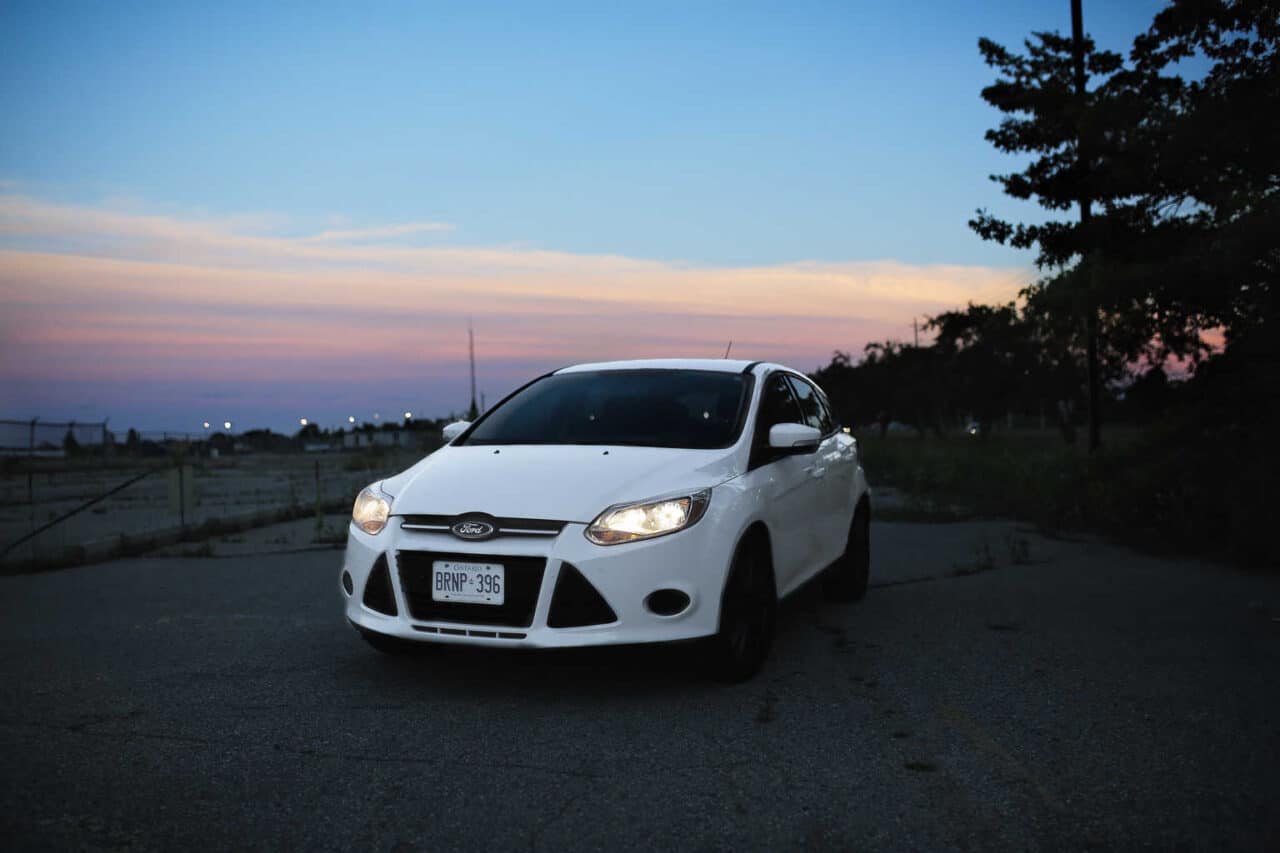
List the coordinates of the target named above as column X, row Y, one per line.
column 623, row 502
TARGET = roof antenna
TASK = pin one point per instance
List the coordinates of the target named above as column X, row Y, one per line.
column 473, row 412
column 726, row 349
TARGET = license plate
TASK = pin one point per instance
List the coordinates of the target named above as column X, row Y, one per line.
column 469, row 583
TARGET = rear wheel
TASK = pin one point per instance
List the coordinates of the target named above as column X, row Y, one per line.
column 847, row 580
column 748, row 611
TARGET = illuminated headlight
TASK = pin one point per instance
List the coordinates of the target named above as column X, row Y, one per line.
column 629, row 522
column 371, row 510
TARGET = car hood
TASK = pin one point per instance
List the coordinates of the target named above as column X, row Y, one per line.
column 563, row 483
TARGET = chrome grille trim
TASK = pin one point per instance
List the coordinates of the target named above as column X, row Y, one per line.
column 502, row 526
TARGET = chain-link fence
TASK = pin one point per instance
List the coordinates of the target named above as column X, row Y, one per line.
column 74, row 509
column 54, row 438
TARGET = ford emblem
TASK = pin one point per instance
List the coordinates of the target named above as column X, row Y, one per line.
column 472, row 529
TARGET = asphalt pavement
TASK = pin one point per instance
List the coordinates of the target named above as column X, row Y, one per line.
column 996, row 690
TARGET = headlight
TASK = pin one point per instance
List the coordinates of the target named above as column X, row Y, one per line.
column 629, row 522
column 371, row 510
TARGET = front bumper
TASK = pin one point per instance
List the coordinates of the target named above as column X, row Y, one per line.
column 694, row 561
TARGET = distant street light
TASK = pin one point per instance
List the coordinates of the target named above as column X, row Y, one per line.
column 376, row 416
column 206, row 424
column 351, row 419
column 302, row 421
column 226, row 424
column 408, row 416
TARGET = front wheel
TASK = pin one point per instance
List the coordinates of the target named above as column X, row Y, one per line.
column 748, row 612
column 847, row 580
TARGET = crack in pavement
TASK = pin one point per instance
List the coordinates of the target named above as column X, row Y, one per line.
column 83, row 730
column 538, row 829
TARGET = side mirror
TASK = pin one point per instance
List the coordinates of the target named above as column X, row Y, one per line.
column 794, row 438
column 454, row 430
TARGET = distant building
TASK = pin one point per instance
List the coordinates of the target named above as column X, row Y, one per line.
column 381, row 438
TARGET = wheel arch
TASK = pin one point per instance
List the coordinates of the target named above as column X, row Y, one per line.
column 757, row 531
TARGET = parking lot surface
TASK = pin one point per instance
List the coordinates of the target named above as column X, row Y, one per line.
column 996, row 690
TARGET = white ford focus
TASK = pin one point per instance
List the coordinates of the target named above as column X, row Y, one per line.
column 624, row 502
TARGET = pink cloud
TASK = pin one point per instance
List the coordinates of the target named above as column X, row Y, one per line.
column 91, row 293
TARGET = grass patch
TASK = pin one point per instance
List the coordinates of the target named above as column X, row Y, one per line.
column 1169, row 491
column 923, row 514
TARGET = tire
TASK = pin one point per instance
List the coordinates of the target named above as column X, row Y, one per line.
column 748, row 616
column 847, row 580
column 388, row 645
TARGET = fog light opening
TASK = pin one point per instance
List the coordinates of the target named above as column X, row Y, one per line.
column 346, row 582
column 667, row 602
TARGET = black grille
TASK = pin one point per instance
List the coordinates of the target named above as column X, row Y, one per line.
column 502, row 526
column 378, row 594
column 523, row 576
column 577, row 603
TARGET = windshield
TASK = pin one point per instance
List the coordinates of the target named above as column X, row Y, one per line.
column 695, row 409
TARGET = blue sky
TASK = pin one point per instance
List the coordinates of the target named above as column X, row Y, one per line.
column 723, row 133
column 729, row 136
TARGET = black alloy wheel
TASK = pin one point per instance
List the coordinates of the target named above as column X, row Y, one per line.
column 748, row 614
column 848, row 578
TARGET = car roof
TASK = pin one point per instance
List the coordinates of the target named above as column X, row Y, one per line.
column 721, row 365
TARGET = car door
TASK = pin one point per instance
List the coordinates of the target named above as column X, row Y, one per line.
column 788, row 487
column 831, row 469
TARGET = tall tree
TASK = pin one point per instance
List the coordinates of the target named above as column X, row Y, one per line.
column 1072, row 132
column 1173, row 159
column 989, row 361
column 1213, row 188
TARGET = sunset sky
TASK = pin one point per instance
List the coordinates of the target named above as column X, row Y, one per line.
column 264, row 211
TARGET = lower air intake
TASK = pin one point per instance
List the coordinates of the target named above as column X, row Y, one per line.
column 378, row 594
column 577, row 603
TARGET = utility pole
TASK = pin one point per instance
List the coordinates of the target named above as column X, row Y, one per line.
column 473, row 412
column 915, row 332
column 1089, row 255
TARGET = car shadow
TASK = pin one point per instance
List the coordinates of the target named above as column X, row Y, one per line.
column 487, row 672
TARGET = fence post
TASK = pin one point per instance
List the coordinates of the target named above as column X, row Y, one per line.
column 31, row 507
column 182, row 495
column 319, row 510
column 31, row 440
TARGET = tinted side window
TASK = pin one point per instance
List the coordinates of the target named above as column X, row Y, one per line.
column 815, row 412
column 828, row 413
column 777, row 406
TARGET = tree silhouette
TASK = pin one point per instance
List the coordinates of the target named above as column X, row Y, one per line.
column 1079, row 140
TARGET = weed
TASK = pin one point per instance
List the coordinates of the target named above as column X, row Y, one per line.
column 768, row 711
column 328, row 534
column 1019, row 549
column 982, row 561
